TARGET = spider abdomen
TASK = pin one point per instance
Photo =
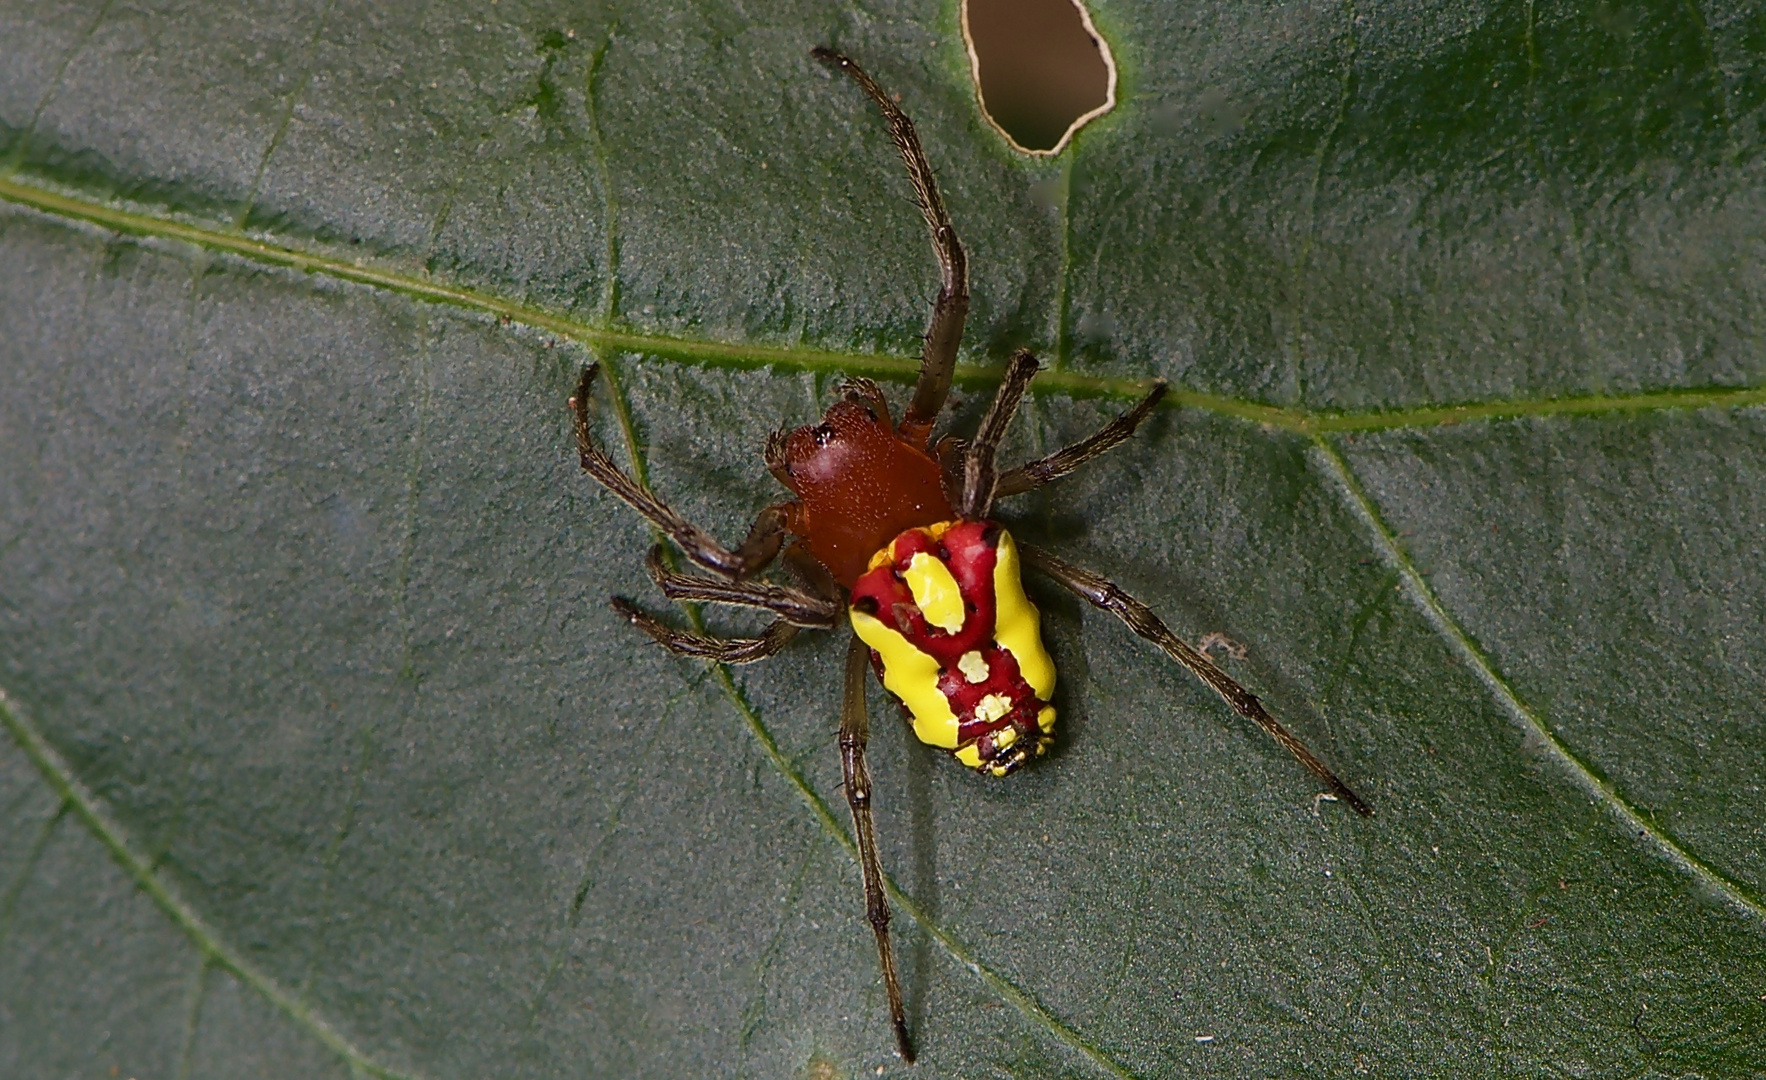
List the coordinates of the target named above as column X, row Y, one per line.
column 955, row 638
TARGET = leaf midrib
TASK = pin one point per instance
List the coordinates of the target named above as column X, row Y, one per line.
column 609, row 336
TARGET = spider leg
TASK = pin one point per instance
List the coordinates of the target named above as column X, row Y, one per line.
column 792, row 605
column 812, row 575
column 980, row 479
column 854, row 732
column 1140, row 618
column 938, row 356
column 722, row 650
column 1035, row 474
column 759, row 549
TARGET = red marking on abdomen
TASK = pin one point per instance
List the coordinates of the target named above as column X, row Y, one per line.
column 969, row 549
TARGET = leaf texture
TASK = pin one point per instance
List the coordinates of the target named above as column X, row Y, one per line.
column 326, row 756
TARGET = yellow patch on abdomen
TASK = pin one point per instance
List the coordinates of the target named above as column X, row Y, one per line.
column 936, row 592
column 912, row 676
column 1017, row 623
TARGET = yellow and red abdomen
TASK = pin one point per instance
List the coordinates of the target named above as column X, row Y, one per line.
column 954, row 637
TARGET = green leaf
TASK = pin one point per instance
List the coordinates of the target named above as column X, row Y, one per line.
column 327, row 757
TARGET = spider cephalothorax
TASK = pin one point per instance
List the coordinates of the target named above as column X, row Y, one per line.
column 895, row 534
column 858, row 481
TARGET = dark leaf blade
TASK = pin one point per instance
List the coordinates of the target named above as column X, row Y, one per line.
column 300, row 581
column 1436, row 204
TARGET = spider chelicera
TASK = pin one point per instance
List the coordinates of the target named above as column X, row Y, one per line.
column 894, row 534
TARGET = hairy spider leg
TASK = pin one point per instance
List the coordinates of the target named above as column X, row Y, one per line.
column 854, row 733
column 859, row 388
column 980, row 478
column 1108, row 596
column 756, row 552
column 721, row 650
column 795, row 606
column 938, row 355
column 1034, row 474
column 759, row 549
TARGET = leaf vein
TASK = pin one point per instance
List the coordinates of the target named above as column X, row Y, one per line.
column 1734, row 893
column 609, row 204
column 192, row 1016
column 294, row 96
column 1321, row 153
column 203, row 937
column 39, row 844
column 1002, row 987
column 605, row 336
column 22, row 146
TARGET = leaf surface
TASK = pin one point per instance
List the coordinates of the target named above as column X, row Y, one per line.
column 327, row 756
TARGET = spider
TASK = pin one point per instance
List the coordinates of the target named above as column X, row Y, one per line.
column 894, row 533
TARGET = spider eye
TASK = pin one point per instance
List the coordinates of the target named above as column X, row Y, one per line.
column 824, row 434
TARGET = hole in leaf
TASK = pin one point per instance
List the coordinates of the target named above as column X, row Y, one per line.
column 1041, row 69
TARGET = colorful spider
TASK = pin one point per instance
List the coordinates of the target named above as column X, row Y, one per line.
column 894, row 534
